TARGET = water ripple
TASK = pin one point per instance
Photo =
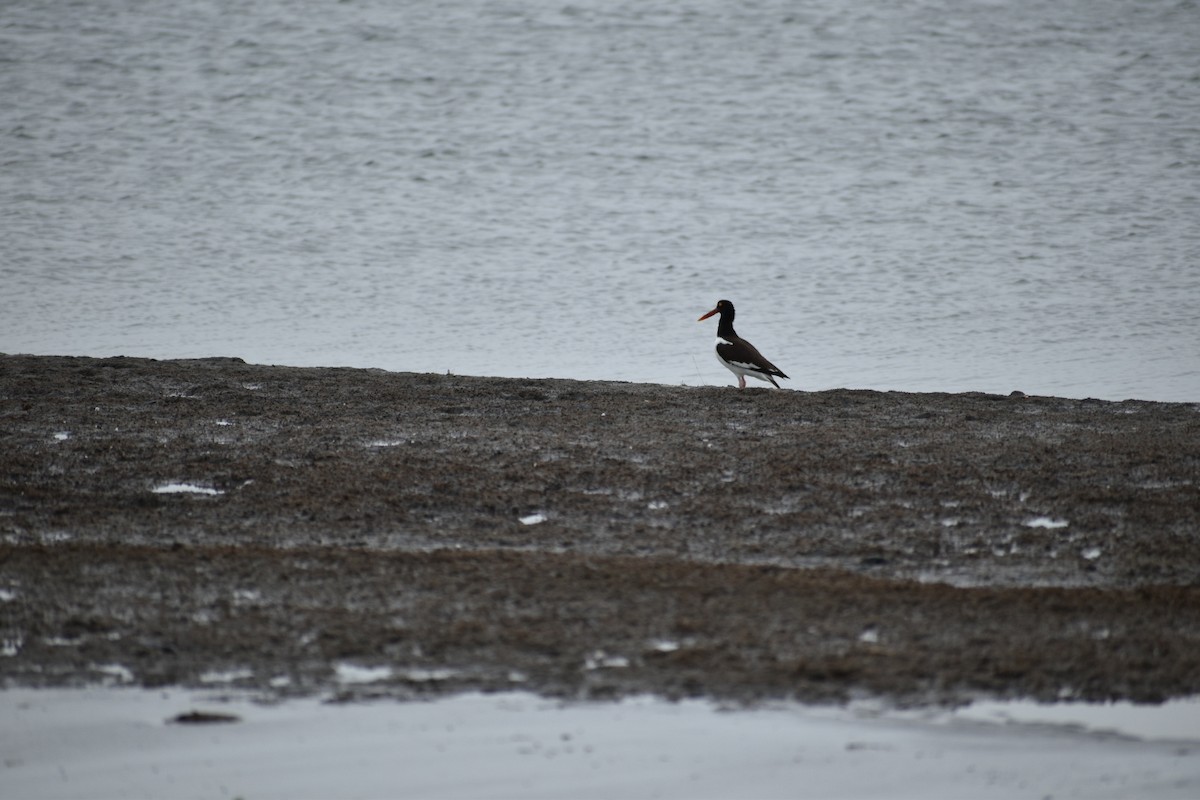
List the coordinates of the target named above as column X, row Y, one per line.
column 924, row 196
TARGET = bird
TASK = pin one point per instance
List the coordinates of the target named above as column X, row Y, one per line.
column 739, row 356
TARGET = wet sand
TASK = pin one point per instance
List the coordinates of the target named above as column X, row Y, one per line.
column 208, row 522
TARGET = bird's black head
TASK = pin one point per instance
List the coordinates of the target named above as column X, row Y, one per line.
column 724, row 308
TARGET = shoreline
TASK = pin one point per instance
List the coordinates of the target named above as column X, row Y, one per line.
column 164, row 521
column 80, row 743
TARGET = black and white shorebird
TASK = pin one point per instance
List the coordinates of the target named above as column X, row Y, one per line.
column 739, row 356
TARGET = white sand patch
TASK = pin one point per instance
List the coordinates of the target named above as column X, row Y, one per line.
column 226, row 676
column 602, row 660
column 1046, row 522
column 353, row 673
column 185, row 488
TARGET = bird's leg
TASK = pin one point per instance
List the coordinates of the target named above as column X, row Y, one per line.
column 741, row 381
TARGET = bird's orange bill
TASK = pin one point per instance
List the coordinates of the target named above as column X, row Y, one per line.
column 709, row 314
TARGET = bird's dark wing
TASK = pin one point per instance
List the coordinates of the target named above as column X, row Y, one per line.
column 741, row 353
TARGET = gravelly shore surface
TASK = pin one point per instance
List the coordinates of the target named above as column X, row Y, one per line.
column 296, row 530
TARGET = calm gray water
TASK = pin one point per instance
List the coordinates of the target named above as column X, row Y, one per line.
column 914, row 195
